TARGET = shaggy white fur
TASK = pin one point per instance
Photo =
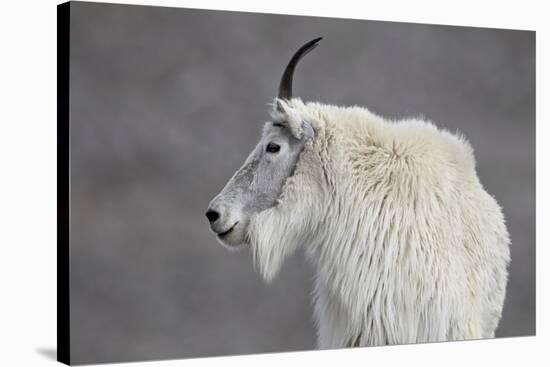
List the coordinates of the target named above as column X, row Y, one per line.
column 407, row 245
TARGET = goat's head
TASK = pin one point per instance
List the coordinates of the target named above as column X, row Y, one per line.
column 259, row 184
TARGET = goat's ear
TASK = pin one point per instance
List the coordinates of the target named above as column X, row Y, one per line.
column 279, row 105
column 307, row 130
column 279, row 109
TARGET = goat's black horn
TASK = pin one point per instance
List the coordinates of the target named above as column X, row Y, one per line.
column 285, row 88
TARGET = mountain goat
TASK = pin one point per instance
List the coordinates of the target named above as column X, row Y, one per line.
column 406, row 244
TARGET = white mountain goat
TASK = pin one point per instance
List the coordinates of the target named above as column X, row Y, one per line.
column 407, row 245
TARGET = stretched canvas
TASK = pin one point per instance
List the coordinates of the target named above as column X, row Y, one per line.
column 233, row 183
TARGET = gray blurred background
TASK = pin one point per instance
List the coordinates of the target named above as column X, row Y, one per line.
column 166, row 103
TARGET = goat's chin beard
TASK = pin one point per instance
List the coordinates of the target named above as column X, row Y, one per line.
column 271, row 239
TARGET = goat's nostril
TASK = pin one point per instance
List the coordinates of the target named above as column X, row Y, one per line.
column 212, row 215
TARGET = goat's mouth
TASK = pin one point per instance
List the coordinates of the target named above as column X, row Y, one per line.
column 224, row 234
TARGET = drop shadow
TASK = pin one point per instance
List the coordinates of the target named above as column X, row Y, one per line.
column 49, row 353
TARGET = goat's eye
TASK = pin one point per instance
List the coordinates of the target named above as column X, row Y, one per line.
column 272, row 148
